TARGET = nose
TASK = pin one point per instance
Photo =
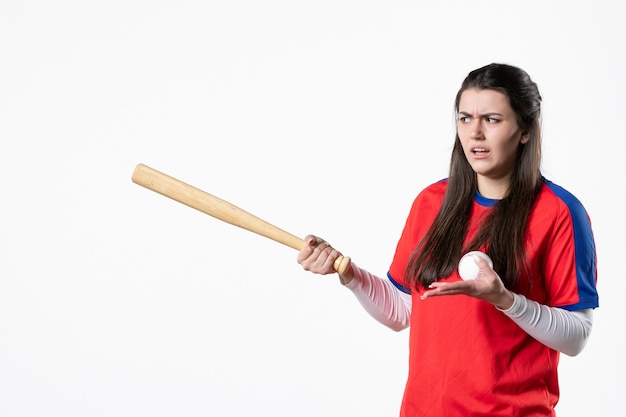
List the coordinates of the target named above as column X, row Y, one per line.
column 476, row 129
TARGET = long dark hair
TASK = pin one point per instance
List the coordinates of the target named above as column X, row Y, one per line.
column 503, row 231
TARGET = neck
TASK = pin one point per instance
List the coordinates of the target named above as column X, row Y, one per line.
column 496, row 189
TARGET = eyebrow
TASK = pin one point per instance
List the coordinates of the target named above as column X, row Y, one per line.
column 483, row 115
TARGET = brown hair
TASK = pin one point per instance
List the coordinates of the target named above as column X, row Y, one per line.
column 503, row 232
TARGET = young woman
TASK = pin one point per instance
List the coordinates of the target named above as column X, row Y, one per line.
column 488, row 346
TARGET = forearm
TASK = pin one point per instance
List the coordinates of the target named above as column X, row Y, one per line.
column 381, row 299
column 559, row 329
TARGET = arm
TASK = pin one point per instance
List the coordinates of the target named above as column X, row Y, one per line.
column 380, row 298
column 559, row 329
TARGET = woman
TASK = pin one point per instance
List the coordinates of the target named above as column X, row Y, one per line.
column 489, row 346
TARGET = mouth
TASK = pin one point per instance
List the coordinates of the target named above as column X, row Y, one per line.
column 479, row 151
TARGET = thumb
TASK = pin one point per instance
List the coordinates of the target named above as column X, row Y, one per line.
column 310, row 240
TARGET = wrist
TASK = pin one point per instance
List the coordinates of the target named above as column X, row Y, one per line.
column 506, row 300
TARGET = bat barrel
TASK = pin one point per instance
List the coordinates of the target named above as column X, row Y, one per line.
column 209, row 204
column 220, row 209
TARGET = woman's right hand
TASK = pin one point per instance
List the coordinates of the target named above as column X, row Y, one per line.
column 318, row 256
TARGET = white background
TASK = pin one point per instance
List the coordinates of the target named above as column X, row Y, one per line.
column 323, row 117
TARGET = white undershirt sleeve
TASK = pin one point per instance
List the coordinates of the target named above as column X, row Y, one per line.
column 557, row 328
column 381, row 299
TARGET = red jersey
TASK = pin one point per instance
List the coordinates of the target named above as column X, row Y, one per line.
column 466, row 357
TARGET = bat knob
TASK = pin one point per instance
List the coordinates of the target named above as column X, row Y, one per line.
column 341, row 264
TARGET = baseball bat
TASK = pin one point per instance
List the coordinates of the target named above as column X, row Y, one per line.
column 220, row 209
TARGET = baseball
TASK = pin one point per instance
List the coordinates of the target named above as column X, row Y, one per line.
column 467, row 265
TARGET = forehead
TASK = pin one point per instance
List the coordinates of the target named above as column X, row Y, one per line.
column 483, row 101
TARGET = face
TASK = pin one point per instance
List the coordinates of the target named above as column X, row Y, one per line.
column 490, row 136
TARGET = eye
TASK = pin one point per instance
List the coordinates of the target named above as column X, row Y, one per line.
column 492, row 120
column 463, row 119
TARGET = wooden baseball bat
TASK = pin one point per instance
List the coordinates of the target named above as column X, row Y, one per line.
column 220, row 209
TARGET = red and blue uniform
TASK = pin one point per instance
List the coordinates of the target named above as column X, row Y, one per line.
column 466, row 357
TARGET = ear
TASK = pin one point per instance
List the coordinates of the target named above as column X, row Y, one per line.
column 525, row 138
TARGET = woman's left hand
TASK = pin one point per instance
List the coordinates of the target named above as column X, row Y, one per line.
column 488, row 287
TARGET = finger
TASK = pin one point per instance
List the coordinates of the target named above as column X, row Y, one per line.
column 311, row 240
column 304, row 254
column 330, row 260
column 322, row 259
column 447, row 288
column 322, row 246
column 481, row 262
column 434, row 289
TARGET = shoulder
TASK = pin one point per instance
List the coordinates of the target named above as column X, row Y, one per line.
column 556, row 197
column 426, row 204
column 434, row 191
column 558, row 210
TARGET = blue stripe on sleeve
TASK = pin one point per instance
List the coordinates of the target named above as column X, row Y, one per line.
column 585, row 249
column 398, row 285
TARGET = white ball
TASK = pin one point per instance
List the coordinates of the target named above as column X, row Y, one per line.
column 467, row 265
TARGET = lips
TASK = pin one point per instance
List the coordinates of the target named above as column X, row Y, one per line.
column 479, row 152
